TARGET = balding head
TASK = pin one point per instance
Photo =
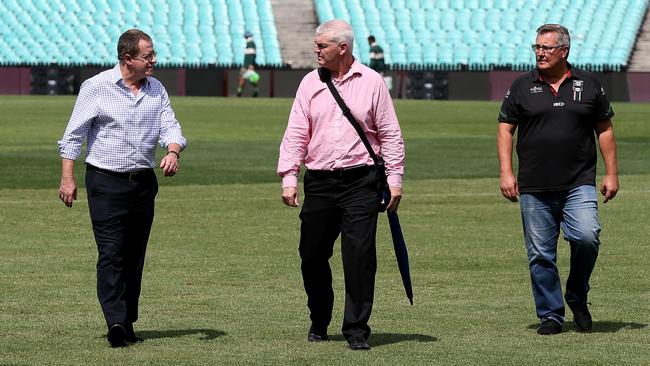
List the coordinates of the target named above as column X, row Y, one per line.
column 338, row 31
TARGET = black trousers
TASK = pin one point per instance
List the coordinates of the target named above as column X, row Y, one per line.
column 340, row 202
column 121, row 210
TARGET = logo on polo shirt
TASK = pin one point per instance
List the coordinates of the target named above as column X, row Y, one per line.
column 577, row 90
column 558, row 104
column 536, row 89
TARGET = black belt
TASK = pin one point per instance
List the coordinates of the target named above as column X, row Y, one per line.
column 140, row 174
column 350, row 172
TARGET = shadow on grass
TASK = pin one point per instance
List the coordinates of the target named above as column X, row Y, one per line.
column 207, row 334
column 601, row 326
column 381, row 339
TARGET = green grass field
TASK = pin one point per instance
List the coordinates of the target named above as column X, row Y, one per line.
column 222, row 282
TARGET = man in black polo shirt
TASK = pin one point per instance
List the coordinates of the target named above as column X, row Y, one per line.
column 559, row 109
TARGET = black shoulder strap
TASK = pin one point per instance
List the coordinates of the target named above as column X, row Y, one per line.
column 325, row 76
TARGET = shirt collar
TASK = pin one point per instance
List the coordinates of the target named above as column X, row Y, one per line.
column 573, row 72
column 570, row 74
column 116, row 76
column 355, row 68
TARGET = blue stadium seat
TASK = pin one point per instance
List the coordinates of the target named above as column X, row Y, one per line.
column 476, row 60
column 497, row 31
column 185, row 32
column 421, row 32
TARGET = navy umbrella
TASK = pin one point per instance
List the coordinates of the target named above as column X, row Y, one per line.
column 401, row 253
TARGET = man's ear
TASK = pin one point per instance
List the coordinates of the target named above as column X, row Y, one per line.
column 344, row 48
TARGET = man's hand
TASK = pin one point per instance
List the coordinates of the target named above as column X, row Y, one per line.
column 68, row 187
column 395, row 198
column 609, row 187
column 169, row 164
column 607, row 145
column 68, row 190
column 290, row 196
column 509, row 187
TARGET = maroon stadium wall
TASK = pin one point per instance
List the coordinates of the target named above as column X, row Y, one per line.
column 15, row 80
column 639, row 86
column 461, row 85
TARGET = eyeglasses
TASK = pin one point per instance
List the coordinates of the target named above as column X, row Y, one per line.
column 545, row 49
column 147, row 58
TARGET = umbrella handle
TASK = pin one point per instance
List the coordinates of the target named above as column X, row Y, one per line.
column 386, row 198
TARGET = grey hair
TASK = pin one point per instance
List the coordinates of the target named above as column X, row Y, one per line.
column 563, row 37
column 339, row 30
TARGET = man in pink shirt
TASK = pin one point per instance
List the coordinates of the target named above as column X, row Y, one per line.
column 340, row 183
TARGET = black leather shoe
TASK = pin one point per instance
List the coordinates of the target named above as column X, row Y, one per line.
column 358, row 343
column 549, row 327
column 117, row 335
column 317, row 335
column 130, row 336
column 581, row 317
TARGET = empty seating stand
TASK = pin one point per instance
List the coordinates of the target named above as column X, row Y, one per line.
column 488, row 34
column 415, row 34
column 185, row 32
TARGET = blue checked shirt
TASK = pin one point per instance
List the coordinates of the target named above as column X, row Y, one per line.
column 122, row 128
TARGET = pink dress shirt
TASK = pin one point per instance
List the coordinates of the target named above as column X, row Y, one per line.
column 319, row 135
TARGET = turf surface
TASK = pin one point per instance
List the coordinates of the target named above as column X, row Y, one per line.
column 222, row 282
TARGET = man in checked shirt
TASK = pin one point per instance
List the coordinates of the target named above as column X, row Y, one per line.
column 122, row 113
column 340, row 183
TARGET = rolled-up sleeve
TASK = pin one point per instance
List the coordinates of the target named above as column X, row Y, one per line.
column 390, row 138
column 83, row 114
column 170, row 129
column 295, row 140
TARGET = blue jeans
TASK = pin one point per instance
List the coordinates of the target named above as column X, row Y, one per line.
column 543, row 214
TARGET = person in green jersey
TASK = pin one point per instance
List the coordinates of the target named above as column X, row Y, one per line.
column 376, row 56
column 247, row 72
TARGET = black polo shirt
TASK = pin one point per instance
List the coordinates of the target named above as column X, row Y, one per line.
column 556, row 143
